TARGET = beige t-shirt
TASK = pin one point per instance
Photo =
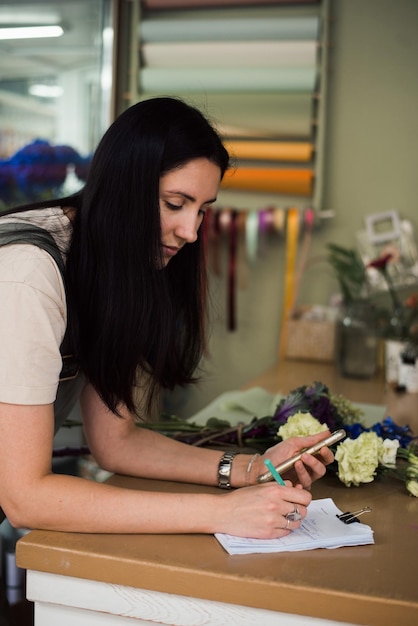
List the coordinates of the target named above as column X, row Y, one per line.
column 33, row 313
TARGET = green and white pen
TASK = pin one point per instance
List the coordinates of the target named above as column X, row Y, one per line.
column 274, row 472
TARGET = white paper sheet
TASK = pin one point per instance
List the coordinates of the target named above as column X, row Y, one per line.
column 320, row 529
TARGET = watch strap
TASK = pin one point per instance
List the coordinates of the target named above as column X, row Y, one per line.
column 224, row 470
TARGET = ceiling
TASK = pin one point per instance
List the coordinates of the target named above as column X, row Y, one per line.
column 42, row 58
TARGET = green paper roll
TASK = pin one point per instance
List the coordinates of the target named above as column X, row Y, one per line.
column 224, row 29
column 279, row 115
column 266, row 80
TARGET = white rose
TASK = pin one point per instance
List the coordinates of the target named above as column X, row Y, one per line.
column 301, row 425
column 358, row 459
column 387, row 452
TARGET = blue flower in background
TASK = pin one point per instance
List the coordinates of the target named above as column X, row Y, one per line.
column 386, row 429
column 38, row 171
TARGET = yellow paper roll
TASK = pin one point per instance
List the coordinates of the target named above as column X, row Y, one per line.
column 292, row 233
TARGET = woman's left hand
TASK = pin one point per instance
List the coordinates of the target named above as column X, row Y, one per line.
column 309, row 468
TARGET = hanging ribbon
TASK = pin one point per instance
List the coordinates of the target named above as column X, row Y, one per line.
column 292, row 233
column 232, row 269
column 308, row 223
column 266, row 223
column 241, row 250
column 279, row 220
column 251, row 236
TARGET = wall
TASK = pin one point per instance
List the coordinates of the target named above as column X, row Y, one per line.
column 371, row 166
column 372, row 130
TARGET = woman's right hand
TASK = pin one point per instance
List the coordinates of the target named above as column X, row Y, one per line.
column 260, row 511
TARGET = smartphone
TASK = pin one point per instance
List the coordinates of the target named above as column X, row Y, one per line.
column 283, row 467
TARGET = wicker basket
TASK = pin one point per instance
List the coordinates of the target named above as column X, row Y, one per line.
column 310, row 340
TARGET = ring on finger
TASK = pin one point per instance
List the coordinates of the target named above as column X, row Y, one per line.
column 287, row 527
column 295, row 515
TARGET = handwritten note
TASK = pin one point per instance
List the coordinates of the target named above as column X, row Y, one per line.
column 321, row 528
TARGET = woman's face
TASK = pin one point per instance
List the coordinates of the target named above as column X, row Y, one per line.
column 185, row 195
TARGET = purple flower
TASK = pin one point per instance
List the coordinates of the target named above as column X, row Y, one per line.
column 314, row 399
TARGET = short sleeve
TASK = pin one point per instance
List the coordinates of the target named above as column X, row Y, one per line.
column 33, row 319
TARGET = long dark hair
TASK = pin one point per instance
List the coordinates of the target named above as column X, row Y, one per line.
column 127, row 312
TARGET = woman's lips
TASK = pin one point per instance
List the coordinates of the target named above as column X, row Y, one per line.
column 170, row 250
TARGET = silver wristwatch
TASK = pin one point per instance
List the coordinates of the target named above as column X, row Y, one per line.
column 224, row 470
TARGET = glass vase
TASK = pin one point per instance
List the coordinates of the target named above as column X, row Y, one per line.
column 357, row 340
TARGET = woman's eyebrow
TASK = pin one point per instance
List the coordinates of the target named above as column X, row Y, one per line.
column 188, row 197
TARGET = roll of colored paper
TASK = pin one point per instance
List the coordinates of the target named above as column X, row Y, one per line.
column 297, row 182
column 271, row 150
column 271, row 115
column 232, row 29
column 189, row 4
column 227, row 80
column 219, row 54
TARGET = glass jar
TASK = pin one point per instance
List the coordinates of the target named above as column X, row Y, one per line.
column 357, row 340
column 408, row 368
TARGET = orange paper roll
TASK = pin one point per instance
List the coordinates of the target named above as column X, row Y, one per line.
column 297, row 182
column 271, row 150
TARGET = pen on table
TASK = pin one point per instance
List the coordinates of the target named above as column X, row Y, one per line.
column 274, row 472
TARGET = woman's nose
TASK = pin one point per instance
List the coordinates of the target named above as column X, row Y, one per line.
column 187, row 228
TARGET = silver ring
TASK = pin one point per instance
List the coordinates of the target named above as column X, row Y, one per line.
column 287, row 527
column 295, row 515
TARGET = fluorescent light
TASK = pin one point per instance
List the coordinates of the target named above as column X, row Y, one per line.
column 46, row 91
column 30, row 32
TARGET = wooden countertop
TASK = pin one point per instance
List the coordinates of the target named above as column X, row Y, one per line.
column 373, row 585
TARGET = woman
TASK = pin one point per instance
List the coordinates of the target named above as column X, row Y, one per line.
column 133, row 306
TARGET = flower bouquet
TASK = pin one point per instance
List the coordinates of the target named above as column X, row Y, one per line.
column 384, row 449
